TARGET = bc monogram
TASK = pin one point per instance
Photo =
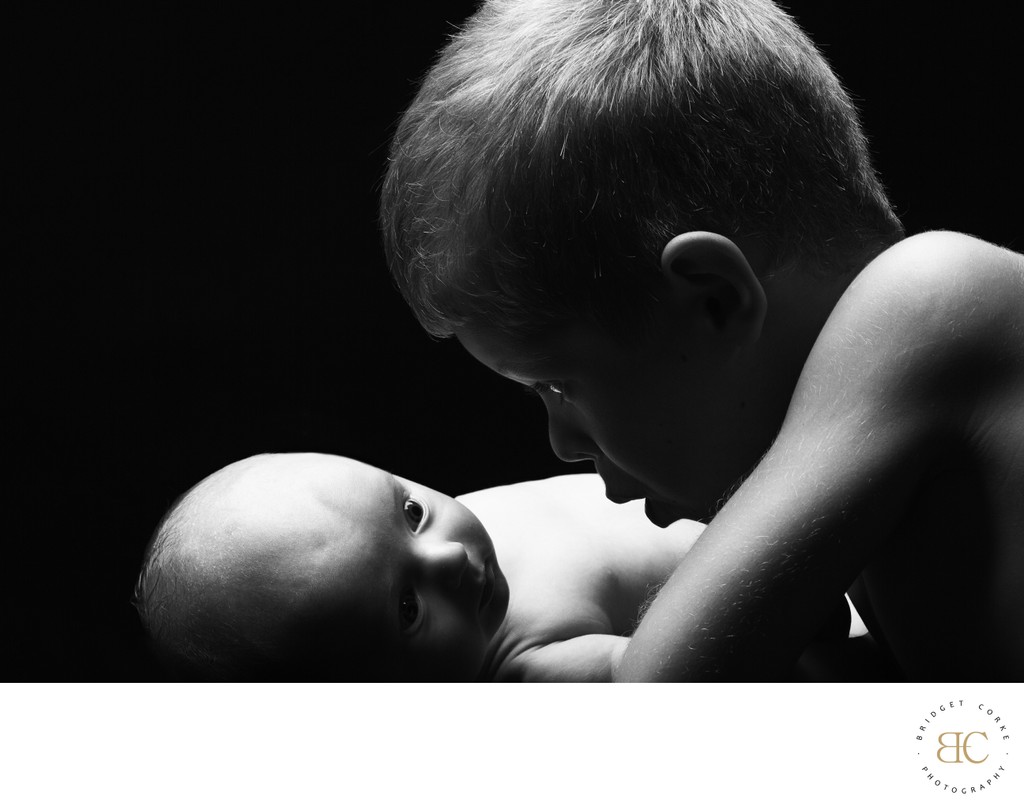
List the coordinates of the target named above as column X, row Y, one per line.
column 961, row 747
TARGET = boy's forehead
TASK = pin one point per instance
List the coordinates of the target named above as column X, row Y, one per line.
column 552, row 354
column 516, row 357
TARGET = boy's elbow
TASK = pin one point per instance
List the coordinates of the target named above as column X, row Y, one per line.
column 630, row 665
column 616, row 668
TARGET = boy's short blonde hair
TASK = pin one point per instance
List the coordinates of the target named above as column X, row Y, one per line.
column 557, row 145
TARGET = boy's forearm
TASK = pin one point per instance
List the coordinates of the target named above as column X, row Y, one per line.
column 762, row 580
column 743, row 609
column 674, row 644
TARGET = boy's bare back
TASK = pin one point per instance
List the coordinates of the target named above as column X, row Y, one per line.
column 902, row 454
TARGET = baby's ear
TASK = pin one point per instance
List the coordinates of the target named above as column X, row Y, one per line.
column 710, row 277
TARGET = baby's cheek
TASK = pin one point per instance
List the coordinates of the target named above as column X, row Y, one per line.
column 453, row 648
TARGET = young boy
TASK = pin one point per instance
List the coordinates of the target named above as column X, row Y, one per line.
column 662, row 216
column 310, row 566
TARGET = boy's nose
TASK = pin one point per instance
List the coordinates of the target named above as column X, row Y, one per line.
column 445, row 562
column 568, row 442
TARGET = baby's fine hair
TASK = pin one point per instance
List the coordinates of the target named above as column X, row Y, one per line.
column 556, row 146
column 190, row 639
column 194, row 636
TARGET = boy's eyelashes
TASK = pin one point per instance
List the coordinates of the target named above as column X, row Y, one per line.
column 541, row 389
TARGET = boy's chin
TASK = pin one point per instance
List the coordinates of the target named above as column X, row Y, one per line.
column 664, row 514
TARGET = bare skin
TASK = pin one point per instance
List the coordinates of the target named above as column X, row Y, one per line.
column 540, row 580
column 888, row 419
column 579, row 570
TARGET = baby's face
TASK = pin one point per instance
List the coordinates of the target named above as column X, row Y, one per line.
column 351, row 542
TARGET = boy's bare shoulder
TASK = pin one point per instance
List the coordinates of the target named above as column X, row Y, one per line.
column 927, row 313
column 941, row 259
column 924, row 349
column 939, row 280
column 920, row 365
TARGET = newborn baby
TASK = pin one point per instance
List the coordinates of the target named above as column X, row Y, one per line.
column 318, row 567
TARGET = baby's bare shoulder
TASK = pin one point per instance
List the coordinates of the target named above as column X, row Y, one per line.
column 574, row 508
column 550, row 490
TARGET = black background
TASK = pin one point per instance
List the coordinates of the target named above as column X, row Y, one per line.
column 197, row 276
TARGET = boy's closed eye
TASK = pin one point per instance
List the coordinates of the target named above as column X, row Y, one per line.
column 541, row 389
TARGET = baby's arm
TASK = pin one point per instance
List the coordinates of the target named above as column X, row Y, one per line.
column 880, row 397
column 596, row 657
column 588, row 658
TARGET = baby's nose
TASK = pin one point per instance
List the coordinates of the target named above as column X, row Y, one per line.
column 446, row 561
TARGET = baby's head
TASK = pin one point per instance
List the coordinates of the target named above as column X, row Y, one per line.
column 557, row 146
column 318, row 567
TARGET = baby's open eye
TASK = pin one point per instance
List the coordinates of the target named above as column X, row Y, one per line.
column 415, row 513
column 408, row 610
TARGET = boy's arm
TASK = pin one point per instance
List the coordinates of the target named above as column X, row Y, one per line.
column 753, row 590
column 882, row 392
column 588, row 658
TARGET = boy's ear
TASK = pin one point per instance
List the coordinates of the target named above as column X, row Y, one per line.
column 710, row 276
